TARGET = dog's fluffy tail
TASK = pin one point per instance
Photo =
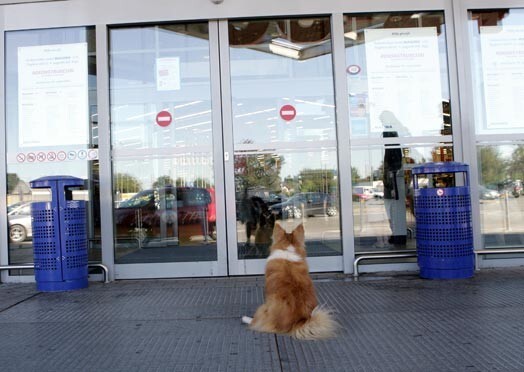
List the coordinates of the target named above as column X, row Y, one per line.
column 321, row 325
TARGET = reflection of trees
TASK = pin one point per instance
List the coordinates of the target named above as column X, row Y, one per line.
column 162, row 181
column 261, row 170
column 355, row 176
column 318, row 180
column 202, row 182
column 12, row 182
column 126, row 183
column 516, row 164
column 492, row 165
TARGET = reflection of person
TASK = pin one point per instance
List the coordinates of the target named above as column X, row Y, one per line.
column 393, row 178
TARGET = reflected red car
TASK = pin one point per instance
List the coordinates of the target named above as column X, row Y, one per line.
column 170, row 205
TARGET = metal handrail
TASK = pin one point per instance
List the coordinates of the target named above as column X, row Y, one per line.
column 406, row 254
column 495, row 251
column 411, row 254
column 32, row 266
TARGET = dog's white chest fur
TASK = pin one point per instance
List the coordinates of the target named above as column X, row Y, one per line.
column 288, row 254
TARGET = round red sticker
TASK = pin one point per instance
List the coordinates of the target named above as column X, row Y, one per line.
column 288, row 112
column 164, row 118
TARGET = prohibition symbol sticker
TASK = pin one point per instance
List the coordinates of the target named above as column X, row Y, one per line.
column 92, row 154
column 440, row 192
column 31, row 157
column 288, row 112
column 71, row 155
column 20, row 157
column 51, row 156
column 164, row 118
column 61, row 155
column 41, row 156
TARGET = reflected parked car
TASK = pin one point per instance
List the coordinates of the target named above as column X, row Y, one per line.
column 517, row 188
column 19, row 217
column 488, row 194
column 309, row 203
column 169, row 205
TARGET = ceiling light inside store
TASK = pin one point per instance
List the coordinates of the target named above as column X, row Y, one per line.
column 351, row 35
column 301, row 51
column 284, row 51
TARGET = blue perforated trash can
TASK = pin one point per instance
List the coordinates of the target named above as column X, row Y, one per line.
column 443, row 220
column 59, row 235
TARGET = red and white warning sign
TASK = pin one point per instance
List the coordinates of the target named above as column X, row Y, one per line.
column 288, row 112
column 164, row 118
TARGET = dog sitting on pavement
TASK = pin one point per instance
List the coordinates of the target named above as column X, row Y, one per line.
column 291, row 305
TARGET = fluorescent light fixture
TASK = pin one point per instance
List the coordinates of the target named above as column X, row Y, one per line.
column 351, row 35
column 284, row 51
column 302, row 51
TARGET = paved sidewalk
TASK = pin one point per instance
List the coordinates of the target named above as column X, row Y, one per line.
column 398, row 323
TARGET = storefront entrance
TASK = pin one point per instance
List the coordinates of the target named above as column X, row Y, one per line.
column 205, row 160
column 199, row 127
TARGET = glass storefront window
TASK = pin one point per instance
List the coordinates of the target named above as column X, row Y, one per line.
column 161, row 135
column 284, row 133
column 497, row 65
column 497, row 59
column 382, row 220
column 397, row 74
column 51, row 124
column 501, row 195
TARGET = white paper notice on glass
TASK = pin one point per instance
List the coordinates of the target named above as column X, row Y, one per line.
column 168, row 73
column 502, row 49
column 53, row 95
column 404, row 79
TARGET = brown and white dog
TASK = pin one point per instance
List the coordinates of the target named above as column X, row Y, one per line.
column 291, row 305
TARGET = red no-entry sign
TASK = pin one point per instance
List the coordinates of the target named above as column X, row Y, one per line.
column 288, row 112
column 164, row 118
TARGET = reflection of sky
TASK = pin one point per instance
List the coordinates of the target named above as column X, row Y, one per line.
column 142, row 148
column 262, row 83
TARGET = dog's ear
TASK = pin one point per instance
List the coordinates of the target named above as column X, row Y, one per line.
column 298, row 234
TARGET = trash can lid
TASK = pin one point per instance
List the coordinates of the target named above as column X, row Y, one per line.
column 48, row 180
column 440, row 167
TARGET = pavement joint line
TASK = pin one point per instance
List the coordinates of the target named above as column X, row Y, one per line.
column 278, row 353
column 21, row 301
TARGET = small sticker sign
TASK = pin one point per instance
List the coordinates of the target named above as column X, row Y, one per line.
column 440, row 192
column 61, row 155
column 164, row 118
column 288, row 112
column 353, row 69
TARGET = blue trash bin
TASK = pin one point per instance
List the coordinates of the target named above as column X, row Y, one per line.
column 444, row 232
column 59, row 235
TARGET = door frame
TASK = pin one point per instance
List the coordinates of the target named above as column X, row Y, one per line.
column 256, row 266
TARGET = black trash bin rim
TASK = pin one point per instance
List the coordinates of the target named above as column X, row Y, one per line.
column 440, row 167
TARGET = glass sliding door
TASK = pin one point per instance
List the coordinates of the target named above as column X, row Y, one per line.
column 162, row 149
column 283, row 139
column 400, row 116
